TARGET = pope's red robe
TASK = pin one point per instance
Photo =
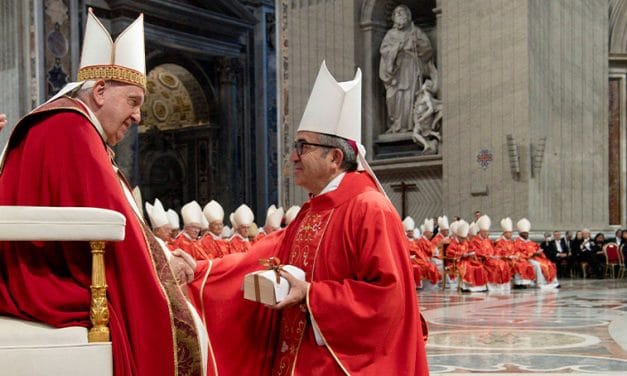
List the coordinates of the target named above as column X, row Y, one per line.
column 351, row 244
column 57, row 158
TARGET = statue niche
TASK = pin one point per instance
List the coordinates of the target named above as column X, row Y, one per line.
column 411, row 81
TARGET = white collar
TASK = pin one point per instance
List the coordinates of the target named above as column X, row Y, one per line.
column 333, row 184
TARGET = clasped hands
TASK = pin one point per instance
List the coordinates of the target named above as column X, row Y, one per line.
column 183, row 265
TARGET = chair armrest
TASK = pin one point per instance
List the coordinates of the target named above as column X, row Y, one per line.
column 43, row 223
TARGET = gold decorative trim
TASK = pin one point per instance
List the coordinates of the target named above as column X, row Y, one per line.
column 98, row 311
column 112, row 72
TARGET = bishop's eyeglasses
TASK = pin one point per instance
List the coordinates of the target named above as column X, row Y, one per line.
column 300, row 145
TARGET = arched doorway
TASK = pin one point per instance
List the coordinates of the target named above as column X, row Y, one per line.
column 177, row 138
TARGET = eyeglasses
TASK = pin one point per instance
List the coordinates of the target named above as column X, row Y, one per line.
column 300, row 144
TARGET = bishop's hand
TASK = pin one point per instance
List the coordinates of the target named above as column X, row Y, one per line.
column 297, row 294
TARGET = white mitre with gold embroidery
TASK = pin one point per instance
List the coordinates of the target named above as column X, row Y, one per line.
column 122, row 60
column 334, row 108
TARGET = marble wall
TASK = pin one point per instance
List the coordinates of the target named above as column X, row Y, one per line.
column 309, row 32
column 537, row 71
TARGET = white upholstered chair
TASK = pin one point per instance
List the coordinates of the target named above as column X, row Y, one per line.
column 30, row 348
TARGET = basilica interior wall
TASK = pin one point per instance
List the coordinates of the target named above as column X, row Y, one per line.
column 568, row 113
column 310, row 31
column 485, row 70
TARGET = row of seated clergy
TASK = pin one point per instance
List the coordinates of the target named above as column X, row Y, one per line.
column 480, row 263
column 204, row 235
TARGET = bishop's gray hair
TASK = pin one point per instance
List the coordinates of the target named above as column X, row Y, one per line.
column 349, row 162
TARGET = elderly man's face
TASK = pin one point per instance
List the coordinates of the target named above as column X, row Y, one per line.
column 216, row 228
column 120, row 108
column 314, row 168
column 243, row 231
column 192, row 230
column 164, row 233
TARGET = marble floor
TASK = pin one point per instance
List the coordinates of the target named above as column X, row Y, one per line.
column 579, row 329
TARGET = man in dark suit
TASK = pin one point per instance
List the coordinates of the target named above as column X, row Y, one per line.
column 560, row 248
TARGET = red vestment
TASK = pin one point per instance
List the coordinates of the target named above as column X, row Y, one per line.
column 426, row 246
column 518, row 265
column 497, row 269
column 237, row 244
column 421, row 264
column 533, row 251
column 56, row 157
column 469, row 268
column 215, row 248
column 351, row 244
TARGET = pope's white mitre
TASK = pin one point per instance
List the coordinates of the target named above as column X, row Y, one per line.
column 121, row 60
column 192, row 213
column 174, row 220
column 334, row 107
column 214, row 212
column 101, row 58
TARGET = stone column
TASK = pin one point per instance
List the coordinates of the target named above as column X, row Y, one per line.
column 228, row 69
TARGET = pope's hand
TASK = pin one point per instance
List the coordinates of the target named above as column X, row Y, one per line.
column 183, row 266
column 3, row 121
column 297, row 294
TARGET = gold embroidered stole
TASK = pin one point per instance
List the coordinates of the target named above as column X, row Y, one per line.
column 303, row 253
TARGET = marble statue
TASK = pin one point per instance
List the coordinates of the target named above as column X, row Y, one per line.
column 405, row 56
column 427, row 118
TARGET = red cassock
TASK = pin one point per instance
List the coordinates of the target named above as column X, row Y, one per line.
column 351, row 244
column 470, row 269
column 57, row 158
column 497, row 269
column 519, row 265
column 192, row 247
column 531, row 249
column 215, row 248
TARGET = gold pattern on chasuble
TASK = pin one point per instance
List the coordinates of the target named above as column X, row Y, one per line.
column 294, row 320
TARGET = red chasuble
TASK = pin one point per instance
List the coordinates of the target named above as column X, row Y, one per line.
column 237, row 244
column 192, row 247
column 215, row 248
column 531, row 249
column 519, row 265
column 351, row 244
column 470, row 269
column 497, row 269
column 421, row 264
column 57, row 158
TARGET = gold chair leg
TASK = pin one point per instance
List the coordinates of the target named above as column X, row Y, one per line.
column 99, row 311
